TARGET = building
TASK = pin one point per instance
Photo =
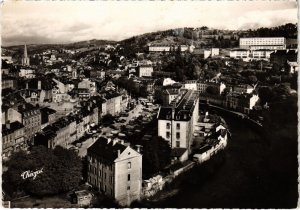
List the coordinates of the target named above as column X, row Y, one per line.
column 98, row 74
column 62, row 132
column 247, row 55
column 206, row 53
column 243, row 88
column 48, row 116
column 176, row 121
column 239, row 54
column 241, row 102
column 168, row 48
column 112, row 104
column 38, row 90
column 279, row 58
column 27, row 73
column 31, row 119
column 12, row 138
column 89, row 85
column 203, row 85
column 25, row 59
column 257, row 43
column 115, row 170
column 145, row 71
column 8, row 83
column 169, row 94
column 190, row 84
column 293, row 67
column 82, row 198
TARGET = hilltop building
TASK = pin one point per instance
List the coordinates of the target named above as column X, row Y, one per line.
column 258, row 43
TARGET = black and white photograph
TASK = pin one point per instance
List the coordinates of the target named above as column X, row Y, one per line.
column 149, row 104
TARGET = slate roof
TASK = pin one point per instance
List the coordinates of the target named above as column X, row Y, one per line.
column 13, row 127
column 105, row 151
column 178, row 152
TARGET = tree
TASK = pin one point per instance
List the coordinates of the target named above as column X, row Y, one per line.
column 265, row 95
column 213, row 90
column 60, row 171
column 108, row 118
column 252, row 79
column 156, row 156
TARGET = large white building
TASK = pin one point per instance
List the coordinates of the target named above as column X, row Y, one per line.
column 145, row 71
column 116, row 170
column 247, row 55
column 256, row 43
column 177, row 120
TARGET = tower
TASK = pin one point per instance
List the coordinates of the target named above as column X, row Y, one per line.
column 25, row 59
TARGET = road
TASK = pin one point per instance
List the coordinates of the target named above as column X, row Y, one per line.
column 137, row 111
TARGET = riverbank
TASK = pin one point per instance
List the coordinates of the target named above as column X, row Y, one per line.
column 255, row 171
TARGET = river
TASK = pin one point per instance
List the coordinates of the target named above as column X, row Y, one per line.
column 240, row 177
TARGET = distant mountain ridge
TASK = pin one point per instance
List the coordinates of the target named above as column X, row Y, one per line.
column 171, row 36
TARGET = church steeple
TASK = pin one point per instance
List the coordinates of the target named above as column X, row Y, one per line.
column 25, row 51
column 25, row 59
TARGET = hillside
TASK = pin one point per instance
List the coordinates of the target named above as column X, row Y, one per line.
column 201, row 37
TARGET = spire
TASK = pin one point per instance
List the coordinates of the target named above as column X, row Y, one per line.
column 25, row 51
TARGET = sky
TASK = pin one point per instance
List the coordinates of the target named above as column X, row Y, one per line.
column 50, row 22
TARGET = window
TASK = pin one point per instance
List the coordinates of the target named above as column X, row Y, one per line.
column 128, row 187
column 110, row 179
column 128, row 177
column 177, row 135
column 178, row 125
column 168, row 135
column 177, row 143
column 168, row 125
column 129, row 165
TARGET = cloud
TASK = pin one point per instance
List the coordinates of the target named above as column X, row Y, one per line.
column 69, row 21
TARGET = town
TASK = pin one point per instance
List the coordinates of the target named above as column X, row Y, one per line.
column 109, row 124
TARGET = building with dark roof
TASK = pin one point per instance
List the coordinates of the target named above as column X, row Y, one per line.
column 176, row 121
column 12, row 138
column 31, row 119
column 48, row 116
column 115, row 170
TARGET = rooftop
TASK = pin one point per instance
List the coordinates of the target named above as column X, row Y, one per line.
column 106, row 150
column 11, row 127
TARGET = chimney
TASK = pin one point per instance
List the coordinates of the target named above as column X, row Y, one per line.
column 119, row 152
column 115, row 141
column 8, row 124
column 138, row 148
column 39, row 85
column 173, row 112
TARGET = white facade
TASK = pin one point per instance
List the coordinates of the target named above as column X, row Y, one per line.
column 190, row 84
column 159, row 48
column 27, row 73
column 145, row 71
column 256, row 43
column 253, row 101
column 168, row 81
column 215, row 52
